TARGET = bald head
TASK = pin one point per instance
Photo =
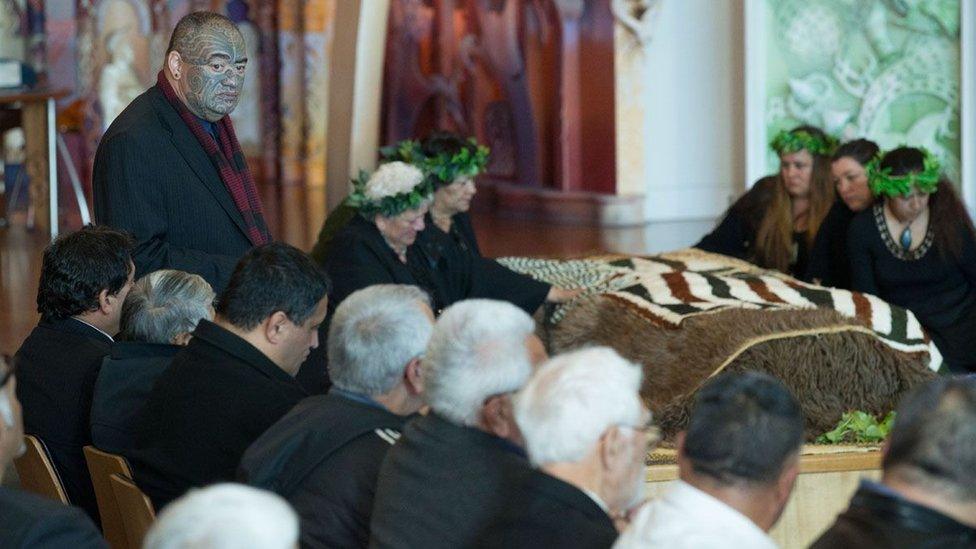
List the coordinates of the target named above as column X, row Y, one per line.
column 205, row 64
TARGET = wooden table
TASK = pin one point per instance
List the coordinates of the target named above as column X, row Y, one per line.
column 37, row 118
column 827, row 480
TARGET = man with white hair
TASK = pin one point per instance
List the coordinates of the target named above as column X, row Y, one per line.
column 737, row 463
column 325, row 455
column 28, row 520
column 225, row 516
column 158, row 315
column 587, row 431
column 455, row 468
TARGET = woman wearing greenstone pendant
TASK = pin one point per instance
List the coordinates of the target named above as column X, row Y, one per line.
column 916, row 248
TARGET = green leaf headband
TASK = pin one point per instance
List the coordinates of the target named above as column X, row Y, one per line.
column 443, row 167
column 388, row 206
column 882, row 182
column 788, row 142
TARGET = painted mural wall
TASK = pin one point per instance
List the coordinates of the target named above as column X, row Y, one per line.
column 888, row 70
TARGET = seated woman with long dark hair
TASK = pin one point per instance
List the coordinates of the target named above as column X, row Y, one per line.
column 829, row 265
column 916, row 248
column 774, row 224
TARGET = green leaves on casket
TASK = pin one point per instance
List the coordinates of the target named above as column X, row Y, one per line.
column 857, row 427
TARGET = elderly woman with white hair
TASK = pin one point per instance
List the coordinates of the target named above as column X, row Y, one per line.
column 225, row 516
column 587, row 432
column 158, row 315
column 376, row 246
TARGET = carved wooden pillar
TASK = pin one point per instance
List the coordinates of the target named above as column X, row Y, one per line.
column 568, row 167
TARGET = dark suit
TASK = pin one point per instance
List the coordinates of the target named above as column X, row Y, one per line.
column 324, row 457
column 122, row 389
column 56, row 370
column 219, row 394
column 548, row 512
column 880, row 520
column 28, row 521
column 153, row 179
column 441, row 485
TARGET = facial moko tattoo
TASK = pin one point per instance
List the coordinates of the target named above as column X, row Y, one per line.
column 214, row 61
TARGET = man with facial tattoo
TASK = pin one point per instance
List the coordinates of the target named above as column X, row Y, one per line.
column 169, row 169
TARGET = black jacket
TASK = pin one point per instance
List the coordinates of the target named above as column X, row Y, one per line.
column 456, row 258
column 56, row 370
column 359, row 257
column 28, row 521
column 217, row 397
column 882, row 521
column 829, row 263
column 324, row 457
column 153, row 178
column 548, row 512
column 441, row 485
column 122, row 389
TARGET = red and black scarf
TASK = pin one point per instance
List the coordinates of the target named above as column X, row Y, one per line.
column 229, row 161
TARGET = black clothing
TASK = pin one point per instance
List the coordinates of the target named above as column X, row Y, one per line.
column 359, row 257
column 28, row 521
column 122, row 389
column 56, row 370
column 441, row 485
column 324, row 457
column 152, row 178
column 455, row 257
column 217, row 397
column 882, row 521
column 940, row 291
column 548, row 512
column 829, row 263
column 735, row 235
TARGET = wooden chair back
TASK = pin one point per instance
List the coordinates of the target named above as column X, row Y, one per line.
column 101, row 465
column 37, row 473
column 135, row 508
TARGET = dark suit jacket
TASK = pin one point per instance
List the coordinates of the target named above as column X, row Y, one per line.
column 56, row 370
column 324, row 457
column 123, row 387
column 153, row 179
column 548, row 512
column 28, row 521
column 441, row 485
column 878, row 520
column 219, row 394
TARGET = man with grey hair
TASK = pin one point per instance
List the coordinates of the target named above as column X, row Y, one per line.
column 225, row 516
column 158, row 315
column 324, row 456
column 587, row 431
column 28, row 520
column 455, row 468
column 927, row 493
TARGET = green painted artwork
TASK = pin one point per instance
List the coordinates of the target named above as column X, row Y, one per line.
column 887, row 70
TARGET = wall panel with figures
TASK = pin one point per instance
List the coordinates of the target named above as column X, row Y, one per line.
column 886, row 70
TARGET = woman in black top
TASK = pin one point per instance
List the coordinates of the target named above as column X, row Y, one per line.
column 916, row 248
column 774, row 224
column 829, row 264
column 448, row 241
